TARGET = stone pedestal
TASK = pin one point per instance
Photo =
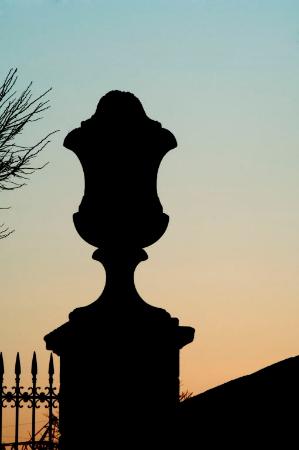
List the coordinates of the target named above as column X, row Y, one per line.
column 119, row 377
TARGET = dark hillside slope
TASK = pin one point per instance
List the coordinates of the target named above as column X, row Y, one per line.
column 254, row 410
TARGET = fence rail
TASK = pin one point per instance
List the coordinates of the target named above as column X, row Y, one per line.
column 33, row 397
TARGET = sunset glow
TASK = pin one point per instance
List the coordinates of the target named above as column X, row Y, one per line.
column 223, row 77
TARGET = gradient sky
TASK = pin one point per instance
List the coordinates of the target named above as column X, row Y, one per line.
column 222, row 75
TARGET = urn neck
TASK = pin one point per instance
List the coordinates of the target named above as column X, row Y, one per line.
column 120, row 267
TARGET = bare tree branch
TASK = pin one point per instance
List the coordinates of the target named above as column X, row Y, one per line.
column 4, row 232
column 184, row 395
column 16, row 112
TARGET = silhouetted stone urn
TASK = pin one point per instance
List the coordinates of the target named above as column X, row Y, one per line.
column 120, row 150
column 124, row 348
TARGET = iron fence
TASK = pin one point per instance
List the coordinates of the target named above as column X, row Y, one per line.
column 33, row 397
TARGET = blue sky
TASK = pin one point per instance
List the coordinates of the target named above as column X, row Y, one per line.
column 223, row 77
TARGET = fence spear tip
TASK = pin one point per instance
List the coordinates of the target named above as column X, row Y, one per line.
column 18, row 365
column 34, row 365
column 1, row 364
column 51, row 365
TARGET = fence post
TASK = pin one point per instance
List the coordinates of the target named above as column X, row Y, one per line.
column 51, row 373
column 34, row 392
column 1, row 394
column 17, row 399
